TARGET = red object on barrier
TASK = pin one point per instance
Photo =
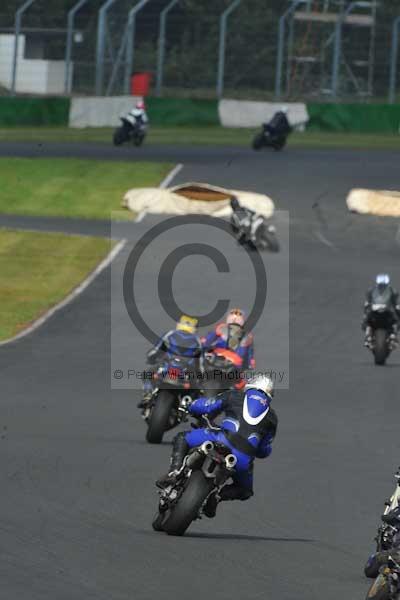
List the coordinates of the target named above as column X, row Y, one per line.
column 140, row 84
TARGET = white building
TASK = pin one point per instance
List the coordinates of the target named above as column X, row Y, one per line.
column 34, row 75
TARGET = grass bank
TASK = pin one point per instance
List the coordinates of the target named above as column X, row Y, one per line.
column 38, row 270
column 72, row 187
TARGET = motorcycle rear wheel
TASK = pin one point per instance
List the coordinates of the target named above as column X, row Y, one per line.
column 278, row 146
column 381, row 350
column 189, row 504
column 379, row 590
column 138, row 140
column 158, row 422
column 158, row 521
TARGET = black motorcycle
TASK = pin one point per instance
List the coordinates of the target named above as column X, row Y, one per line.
column 267, row 138
column 132, row 129
column 205, row 471
column 388, row 537
column 387, row 584
column 256, row 233
column 381, row 322
column 172, row 394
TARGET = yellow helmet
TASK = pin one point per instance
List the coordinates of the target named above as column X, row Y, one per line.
column 188, row 324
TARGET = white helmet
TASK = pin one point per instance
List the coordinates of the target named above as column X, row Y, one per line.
column 382, row 279
column 285, row 109
column 262, row 383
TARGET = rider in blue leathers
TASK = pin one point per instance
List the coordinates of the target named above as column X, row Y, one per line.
column 179, row 343
column 248, row 429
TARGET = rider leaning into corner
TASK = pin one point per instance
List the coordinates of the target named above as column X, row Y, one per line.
column 244, row 222
column 139, row 113
column 181, row 342
column 248, row 428
column 231, row 336
column 381, row 290
column 279, row 124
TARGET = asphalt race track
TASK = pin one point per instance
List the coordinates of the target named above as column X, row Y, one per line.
column 77, row 493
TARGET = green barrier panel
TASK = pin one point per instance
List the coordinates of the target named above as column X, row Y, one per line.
column 360, row 118
column 34, row 111
column 182, row 111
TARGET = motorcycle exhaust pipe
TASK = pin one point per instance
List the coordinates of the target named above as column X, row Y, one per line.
column 230, row 461
column 206, row 447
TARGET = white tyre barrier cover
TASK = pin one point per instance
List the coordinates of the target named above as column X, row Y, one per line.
column 171, row 201
column 382, row 203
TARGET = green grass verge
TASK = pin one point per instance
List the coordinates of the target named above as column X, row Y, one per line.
column 207, row 135
column 72, row 187
column 38, row 270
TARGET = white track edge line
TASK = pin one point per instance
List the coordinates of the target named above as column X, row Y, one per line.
column 71, row 296
column 163, row 185
column 171, row 176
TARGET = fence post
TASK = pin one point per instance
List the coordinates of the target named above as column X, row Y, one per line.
column 337, row 50
column 393, row 60
column 131, row 29
column 17, row 30
column 161, row 46
column 101, row 29
column 68, row 50
column 222, row 46
column 279, row 60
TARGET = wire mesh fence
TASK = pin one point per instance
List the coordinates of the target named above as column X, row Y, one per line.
column 326, row 50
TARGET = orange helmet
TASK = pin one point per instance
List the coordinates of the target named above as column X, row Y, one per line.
column 235, row 317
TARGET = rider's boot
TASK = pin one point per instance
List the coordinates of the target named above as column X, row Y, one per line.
column 147, row 395
column 210, row 508
column 179, row 451
column 368, row 337
column 393, row 336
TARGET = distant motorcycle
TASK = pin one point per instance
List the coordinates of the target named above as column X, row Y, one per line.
column 205, row 471
column 381, row 320
column 173, row 392
column 268, row 139
column 256, row 233
column 132, row 129
column 388, row 537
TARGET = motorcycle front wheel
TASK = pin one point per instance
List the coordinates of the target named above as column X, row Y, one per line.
column 381, row 350
column 189, row 504
column 258, row 141
column 120, row 136
column 159, row 419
